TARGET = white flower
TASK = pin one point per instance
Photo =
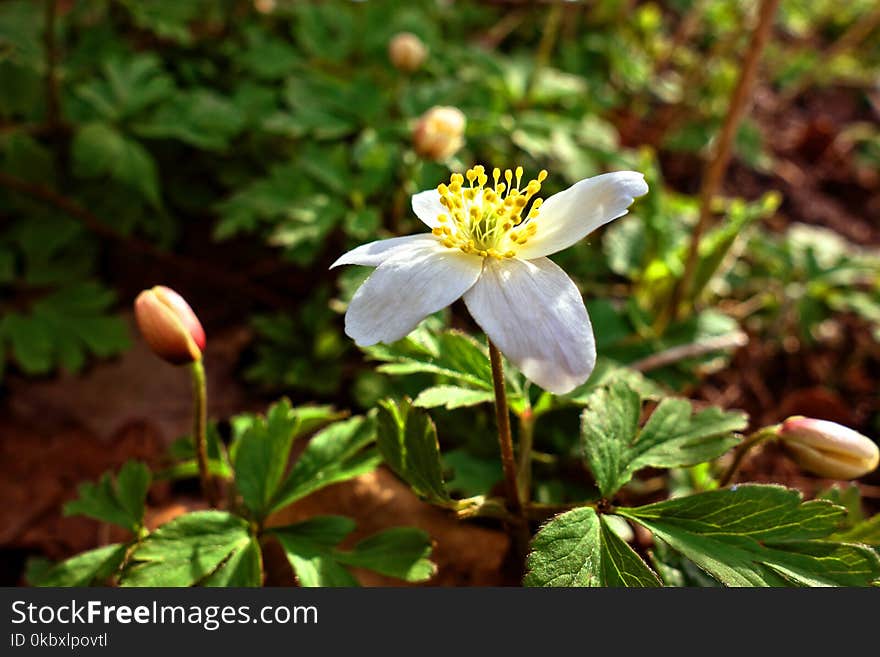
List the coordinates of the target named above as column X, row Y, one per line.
column 489, row 244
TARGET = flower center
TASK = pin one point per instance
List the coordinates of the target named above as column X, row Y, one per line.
column 488, row 221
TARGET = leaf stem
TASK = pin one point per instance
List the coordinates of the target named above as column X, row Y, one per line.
column 758, row 437
column 200, row 430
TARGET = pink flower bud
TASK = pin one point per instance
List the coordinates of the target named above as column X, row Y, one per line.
column 828, row 449
column 407, row 52
column 169, row 325
column 439, row 133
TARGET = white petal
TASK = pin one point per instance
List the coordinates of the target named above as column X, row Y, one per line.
column 572, row 214
column 427, row 207
column 405, row 289
column 375, row 253
column 535, row 315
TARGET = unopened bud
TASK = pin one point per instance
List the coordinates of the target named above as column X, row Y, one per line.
column 169, row 325
column 439, row 133
column 407, row 52
column 828, row 449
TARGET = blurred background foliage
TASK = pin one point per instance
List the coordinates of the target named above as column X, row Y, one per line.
column 238, row 147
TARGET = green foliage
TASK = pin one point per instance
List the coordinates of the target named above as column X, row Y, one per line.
column 755, row 535
column 202, row 547
column 263, row 448
column 120, row 502
column 339, row 452
column 312, row 549
column 579, row 549
column 673, row 436
column 459, row 363
column 408, row 443
column 85, row 569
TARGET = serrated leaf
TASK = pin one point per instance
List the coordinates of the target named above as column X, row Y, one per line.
column 243, row 568
column 99, row 151
column 608, row 372
column 200, row 118
column 451, row 354
column 192, row 549
column 673, row 436
column 309, row 548
column 866, row 532
column 129, row 86
column 577, row 548
column 759, row 535
column 261, row 456
column 335, row 454
column 85, row 569
column 408, row 443
column 120, row 502
column 452, row 397
column 312, row 549
column 402, row 552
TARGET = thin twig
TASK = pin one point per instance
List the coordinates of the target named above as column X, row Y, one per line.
column 717, row 165
column 681, row 352
column 194, row 268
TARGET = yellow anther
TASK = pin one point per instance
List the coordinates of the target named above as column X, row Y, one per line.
column 542, row 176
column 481, row 217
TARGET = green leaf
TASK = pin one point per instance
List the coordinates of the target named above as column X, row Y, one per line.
column 451, row 354
column 100, row 151
column 408, row 443
column 261, row 456
column 757, row 535
column 312, row 549
column 578, row 548
column 673, row 436
column 243, row 568
column 120, row 502
column 608, row 372
column 200, row 118
column 129, row 87
column 452, row 397
column 309, row 548
column 193, row 549
column 337, row 453
column 85, row 569
column 866, row 532
column 402, row 552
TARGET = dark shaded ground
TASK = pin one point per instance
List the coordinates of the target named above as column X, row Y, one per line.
column 55, row 434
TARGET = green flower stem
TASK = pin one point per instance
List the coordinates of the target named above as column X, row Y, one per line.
column 505, row 440
column 524, row 462
column 200, row 430
column 760, row 436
